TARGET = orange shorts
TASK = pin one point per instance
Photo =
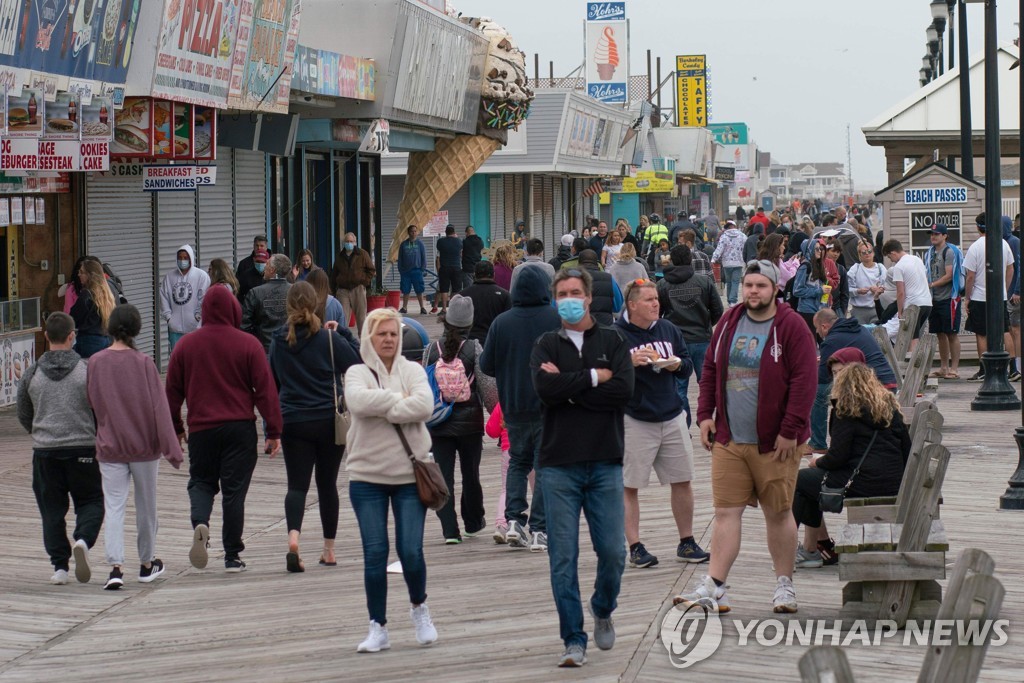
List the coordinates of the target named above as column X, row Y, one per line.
column 741, row 476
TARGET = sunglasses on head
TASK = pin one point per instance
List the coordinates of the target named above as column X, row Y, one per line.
column 572, row 272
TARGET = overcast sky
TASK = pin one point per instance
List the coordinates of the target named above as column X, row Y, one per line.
column 796, row 71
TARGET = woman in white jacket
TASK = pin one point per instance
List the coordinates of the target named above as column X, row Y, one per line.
column 386, row 392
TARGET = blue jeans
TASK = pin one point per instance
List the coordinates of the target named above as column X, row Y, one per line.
column 596, row 488
column 731, row 277
column 523, row 455
column 172, row 340
column 819, row 416
column 88, row 344
column 697, row 351
column 370, row 501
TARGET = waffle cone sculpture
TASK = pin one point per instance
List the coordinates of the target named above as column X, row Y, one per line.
column 434, row 177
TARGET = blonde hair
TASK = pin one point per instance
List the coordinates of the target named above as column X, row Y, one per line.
column 856, row 389
column 301, row 308
column 100, row 290
column 645, row 221
column 627, row 253
column 221, row 274
column 505, row 255
column 618, row 237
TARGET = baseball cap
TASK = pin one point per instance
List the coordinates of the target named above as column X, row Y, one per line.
column 693, row 216
column 939, row 229
column 567, row 240
column 261, row 256
column 763, row 267
column 731, row 222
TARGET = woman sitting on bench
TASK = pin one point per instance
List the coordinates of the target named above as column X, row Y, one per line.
column 862, row 409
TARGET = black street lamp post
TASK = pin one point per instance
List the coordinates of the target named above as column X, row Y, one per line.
column 966, row 127
column 996, row 392
column 1013, row 498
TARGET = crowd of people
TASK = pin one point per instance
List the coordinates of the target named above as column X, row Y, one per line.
column 580, row 366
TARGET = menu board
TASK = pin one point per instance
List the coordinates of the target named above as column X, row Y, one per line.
column 133, row 128
column 195, row 51
column 62, row 120
column 205, row 127
column 97, row 120
column 262, row 70
column 26, row 112
column 16, row 211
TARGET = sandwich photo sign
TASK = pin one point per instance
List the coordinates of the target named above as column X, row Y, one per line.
column 133, row 128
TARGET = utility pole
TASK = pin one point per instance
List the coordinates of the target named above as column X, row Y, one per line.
column 849, row 161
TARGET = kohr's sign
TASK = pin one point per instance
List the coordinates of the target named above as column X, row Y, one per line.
column 935, row 195
column 606, row 11
column 607, row 92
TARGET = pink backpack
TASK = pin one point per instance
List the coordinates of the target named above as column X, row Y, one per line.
column 453, row 382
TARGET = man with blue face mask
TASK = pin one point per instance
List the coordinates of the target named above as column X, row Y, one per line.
column 181, row 296
column 353, row 272
column 584, row 375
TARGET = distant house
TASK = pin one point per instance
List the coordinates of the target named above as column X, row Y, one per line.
column 826, row 180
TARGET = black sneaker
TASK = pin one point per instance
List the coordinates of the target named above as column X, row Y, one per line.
column 116, row 580
column 979, row 376
column 147, row 574
column 402, row 311
column 828, row 553
column 692, row 553
column 1014, row 375
column 234, row 566
column 639, row 557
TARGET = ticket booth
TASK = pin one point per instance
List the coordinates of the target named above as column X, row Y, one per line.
column 935, row 194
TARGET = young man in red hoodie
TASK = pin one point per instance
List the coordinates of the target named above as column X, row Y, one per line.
column 754, row 413
column 222, row 373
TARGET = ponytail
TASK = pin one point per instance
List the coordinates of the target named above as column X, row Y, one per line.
column 301, row 307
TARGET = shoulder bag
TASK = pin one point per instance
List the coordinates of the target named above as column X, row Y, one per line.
column 830, row 499
column 430, row 484
column 342, row 418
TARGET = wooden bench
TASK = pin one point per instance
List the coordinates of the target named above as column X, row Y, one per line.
column 891, row 567
column 925, row 429
column 917, row 370
column 882, row 337
column 971, row 594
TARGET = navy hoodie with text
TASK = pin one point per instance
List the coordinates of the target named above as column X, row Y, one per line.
column 655, row 398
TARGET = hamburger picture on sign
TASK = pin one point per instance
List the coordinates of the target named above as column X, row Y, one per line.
column 63, row 118
column 25, row 113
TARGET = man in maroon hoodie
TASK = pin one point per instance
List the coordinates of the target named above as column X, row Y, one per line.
column 754, row 413
column 222, row 373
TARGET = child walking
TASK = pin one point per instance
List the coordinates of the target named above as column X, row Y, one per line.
column 495, row 428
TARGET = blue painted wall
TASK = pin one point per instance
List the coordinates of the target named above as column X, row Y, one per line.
column 480, row 205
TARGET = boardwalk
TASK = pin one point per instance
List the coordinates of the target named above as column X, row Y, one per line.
column 492, row 605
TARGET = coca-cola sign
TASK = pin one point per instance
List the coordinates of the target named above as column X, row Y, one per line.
column 606, row 11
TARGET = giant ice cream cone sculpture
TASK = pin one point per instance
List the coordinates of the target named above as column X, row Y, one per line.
column 434, row 177
column 606, row 56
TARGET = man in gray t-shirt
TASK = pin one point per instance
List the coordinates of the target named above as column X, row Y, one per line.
column 742, row 381
column 941, row 262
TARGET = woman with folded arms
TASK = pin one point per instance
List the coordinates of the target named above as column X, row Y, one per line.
column 386, row 394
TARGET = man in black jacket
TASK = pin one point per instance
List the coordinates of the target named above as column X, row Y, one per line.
column 489, row 300
column 472, row 254
column 583, row 374
column 564, row 252
column 247, row 273
column 263, row 310
column 691, row 302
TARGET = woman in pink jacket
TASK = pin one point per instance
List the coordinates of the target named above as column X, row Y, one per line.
column 495, row 428
column 133, row 429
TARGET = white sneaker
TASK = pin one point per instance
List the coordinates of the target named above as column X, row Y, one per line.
column 60, row 577
column 81, row 552
column 517, row 536
column 425, row 631
column 539, row 543
column 376, row 639
column 784, row 601
column 704, row 590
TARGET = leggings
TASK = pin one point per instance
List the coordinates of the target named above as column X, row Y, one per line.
column 308, row 446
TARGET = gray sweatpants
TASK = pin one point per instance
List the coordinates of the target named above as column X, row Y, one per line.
column 116, row 476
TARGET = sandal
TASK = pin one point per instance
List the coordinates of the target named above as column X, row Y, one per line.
column 939, row 374
column 293, row 563
column 951, row 375
column 325, row 563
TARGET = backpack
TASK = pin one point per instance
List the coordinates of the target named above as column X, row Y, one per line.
column 114, row 280
column 449, row 383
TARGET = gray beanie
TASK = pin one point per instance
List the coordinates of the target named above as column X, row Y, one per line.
column 460, row 312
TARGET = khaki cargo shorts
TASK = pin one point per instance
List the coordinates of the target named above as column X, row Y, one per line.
column 740, row 476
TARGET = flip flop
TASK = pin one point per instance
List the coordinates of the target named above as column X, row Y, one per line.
column 325, row 563
column 293, row 563
column 939, row 374
column 951, row 375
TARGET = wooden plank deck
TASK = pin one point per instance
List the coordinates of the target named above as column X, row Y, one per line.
column 492, row 605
